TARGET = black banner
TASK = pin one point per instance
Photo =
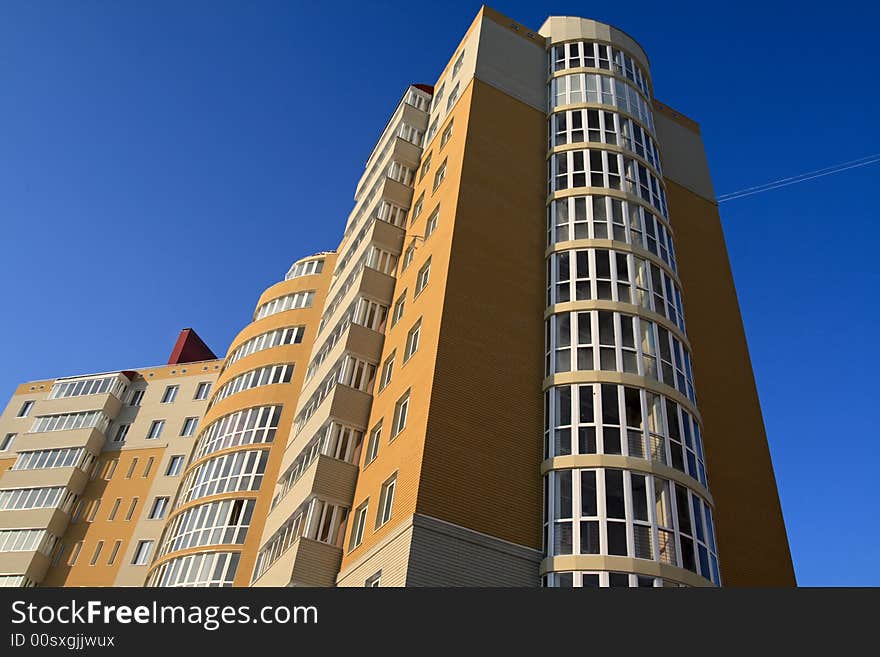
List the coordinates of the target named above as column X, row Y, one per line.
column 226, row 621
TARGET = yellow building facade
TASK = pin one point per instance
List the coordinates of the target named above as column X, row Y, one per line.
column 519, row 367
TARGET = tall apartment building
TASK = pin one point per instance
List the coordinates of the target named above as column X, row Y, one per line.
column 524, row 364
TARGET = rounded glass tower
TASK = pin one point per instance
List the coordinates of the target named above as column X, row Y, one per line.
column 626, row 495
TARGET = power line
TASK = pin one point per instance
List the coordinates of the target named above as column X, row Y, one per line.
column 793, row 180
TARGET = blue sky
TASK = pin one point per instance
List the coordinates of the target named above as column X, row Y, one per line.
column 144, row 144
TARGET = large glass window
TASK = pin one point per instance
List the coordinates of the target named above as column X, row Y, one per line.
column 84, row 420
column 617, row 342
column 623, row 513
column 114, row 385
column 580, row 88
column 276, row 338
column 262, row 376
column 604, row 127
column 606, row 169
column 202, row 569
column 584, row 54
column 287, row 302
column 229, row 473
column 607, row 218
column 224, row 522
column 594, row 418
column 609, row 275
column 246, row 427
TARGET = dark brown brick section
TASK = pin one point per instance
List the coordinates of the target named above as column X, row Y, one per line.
column 483, row 444
column 752, row 541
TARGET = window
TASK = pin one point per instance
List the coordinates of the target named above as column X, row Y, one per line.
column 204, row 388
column 440, row 175
column 401, row 409
column 249, row 426
column 25, row 409
column 381, row 260
column 142, row 553
column 98, row 547
column 438, row 96
column 422, row 278
column 114, row 509
column 148, row 467
column 288, row 302
column 432, row 130
column 111, row 469
column 580, row 54
column 276, row 338
column 629, row 514
column 426, row 166
column 220, row 522
column 114, row 553
column 155, row 429
column 13, row 499
column 189, row 426
column 417, row 207
column 160, row 507
column 373, row 581
column 386, row 501
column 113, row 385
column 27, row 540
column 373, row 444
column 64, row 422
column 398, row 308
column 431, row 224
column 136, row 397
column 202, row 569
column 387, row 370
column 457, row 66
column 170, row 394
column 134, row 503
column 412, row 340
column 307, row 268
column 57, row 558
column 389, row 213
column 121, row 433
column 400, row 173
column 262, row 376
column 228, row 473
column 71, row 457
column 175, row 466
column 131, row 468
column 357, row 529
column 93, row 510
column 408, row 256
column 453, row 96
column 6, row 443
column 598, row 88
column 447, row 133
column 74, row 553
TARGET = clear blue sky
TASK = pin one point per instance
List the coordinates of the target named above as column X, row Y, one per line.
column 161, row 163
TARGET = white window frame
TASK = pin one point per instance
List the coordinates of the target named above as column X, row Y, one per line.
column 401, row 414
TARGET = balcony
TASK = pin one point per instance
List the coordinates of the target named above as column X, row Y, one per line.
column 356, row 340
column 305, row 563
column 53, row 519
column 329, row 478
column 345, row 404
column 91, row 438
column 107, row 402
column 73, row 478
column 368, row 281
column 32, row 565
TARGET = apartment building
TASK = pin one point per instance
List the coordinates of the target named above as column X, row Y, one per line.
column 523, row 365
column 90, row 464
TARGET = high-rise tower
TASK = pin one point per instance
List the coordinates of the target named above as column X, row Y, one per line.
column 524, row 364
